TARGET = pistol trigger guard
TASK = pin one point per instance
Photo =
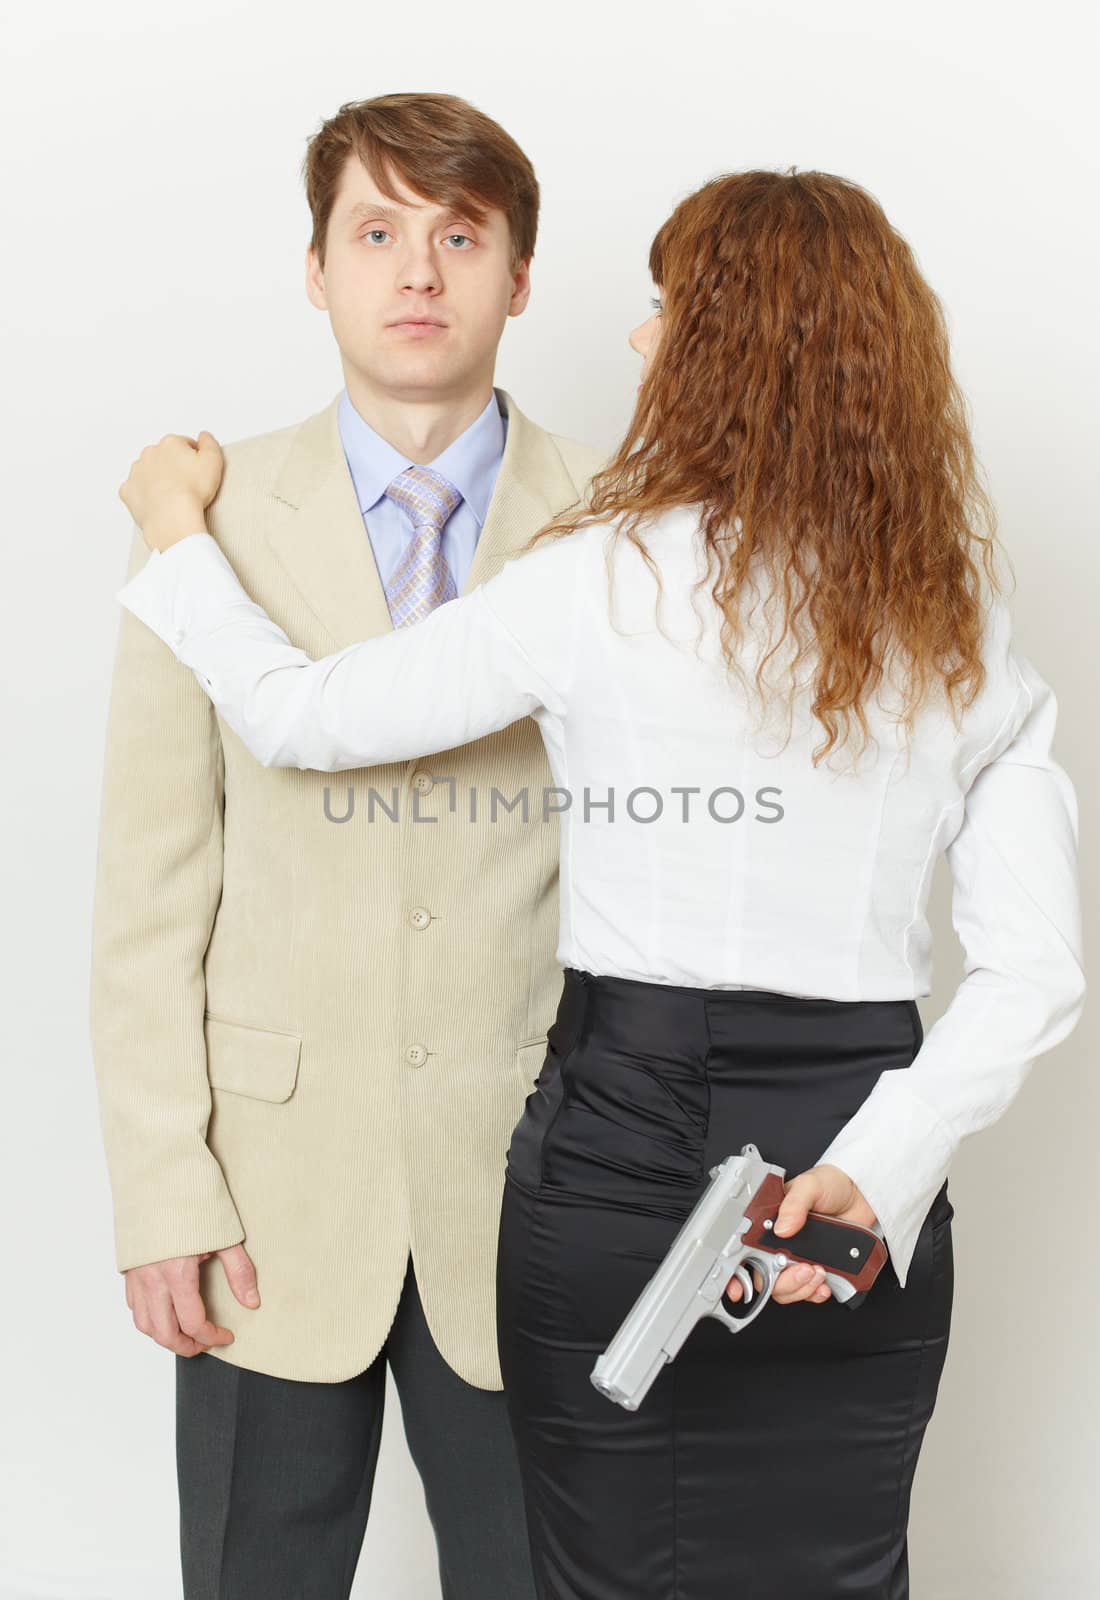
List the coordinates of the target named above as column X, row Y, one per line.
column 770, row 1267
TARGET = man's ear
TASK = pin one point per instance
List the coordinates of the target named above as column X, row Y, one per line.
column 315, row 280
column 521, row 288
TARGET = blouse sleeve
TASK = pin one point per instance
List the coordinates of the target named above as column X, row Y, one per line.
column 1016, row 909
column 474, row 665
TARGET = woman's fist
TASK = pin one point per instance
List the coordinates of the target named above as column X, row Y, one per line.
column 831, row 1192
column 170, row 486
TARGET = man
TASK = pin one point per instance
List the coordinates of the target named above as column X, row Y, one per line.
column 317, row 1007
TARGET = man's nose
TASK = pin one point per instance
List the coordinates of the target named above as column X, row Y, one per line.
column 419, row 270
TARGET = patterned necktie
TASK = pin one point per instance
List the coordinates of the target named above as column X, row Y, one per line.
column 422, row 579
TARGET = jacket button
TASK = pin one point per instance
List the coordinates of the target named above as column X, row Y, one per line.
column 423, row 781
column 416, row 1055
column 419, row 917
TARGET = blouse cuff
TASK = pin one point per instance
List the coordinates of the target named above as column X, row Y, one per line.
column 898, row 1152
column 155, row 598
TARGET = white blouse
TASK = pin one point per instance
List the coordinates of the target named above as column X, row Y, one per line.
column 695, row 848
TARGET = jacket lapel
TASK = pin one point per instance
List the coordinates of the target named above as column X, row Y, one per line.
column 322, row 544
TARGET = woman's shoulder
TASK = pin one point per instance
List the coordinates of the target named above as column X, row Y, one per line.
column 570, row 569
column 1012, row 689
column 1007, row 667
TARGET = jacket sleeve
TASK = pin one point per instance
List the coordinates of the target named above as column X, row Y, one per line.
column 1016, row 909
column 471, row 667
column 158, row 884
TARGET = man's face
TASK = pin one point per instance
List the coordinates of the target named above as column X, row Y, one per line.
column 417, row 295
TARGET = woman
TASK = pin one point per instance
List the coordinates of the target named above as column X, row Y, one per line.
column 742, row 913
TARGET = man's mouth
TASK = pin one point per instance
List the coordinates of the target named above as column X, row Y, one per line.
column 421, row 325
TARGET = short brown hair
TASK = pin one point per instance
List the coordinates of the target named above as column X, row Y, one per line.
column 441, row 146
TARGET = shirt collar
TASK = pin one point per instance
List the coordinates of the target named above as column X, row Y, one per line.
column 470, row 462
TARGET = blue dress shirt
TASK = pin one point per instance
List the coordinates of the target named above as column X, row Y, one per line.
column 471, row 463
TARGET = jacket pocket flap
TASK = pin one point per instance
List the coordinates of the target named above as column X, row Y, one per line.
column 254, row 1061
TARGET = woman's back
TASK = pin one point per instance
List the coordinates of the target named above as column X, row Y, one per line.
column 700, row 848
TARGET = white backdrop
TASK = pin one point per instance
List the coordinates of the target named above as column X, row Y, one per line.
column 155, row 230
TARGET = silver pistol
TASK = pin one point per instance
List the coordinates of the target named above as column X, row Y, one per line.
column 728, row 1232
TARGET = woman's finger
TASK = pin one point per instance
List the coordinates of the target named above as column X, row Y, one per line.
column 792, row 1284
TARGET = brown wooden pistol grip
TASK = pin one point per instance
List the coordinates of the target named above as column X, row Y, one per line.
column 844, row 1248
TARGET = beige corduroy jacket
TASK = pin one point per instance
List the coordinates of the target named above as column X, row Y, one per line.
column 313, row 1026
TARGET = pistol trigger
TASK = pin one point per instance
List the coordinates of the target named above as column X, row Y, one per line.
column 744, row 1278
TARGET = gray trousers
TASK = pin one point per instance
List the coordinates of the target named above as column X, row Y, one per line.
column 275, row 1475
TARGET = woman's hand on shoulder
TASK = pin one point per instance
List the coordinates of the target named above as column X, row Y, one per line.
column 170, row 485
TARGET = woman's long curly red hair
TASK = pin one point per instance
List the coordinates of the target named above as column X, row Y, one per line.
column 802, row 384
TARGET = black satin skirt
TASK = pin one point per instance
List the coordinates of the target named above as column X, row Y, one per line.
column 774, row 1463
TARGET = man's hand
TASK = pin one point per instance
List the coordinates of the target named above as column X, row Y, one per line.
column 165, row 1300
column 831, row 1192
column 170, row 486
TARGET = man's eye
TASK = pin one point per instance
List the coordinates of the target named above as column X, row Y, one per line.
column 376, row 234
column 453, row 236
